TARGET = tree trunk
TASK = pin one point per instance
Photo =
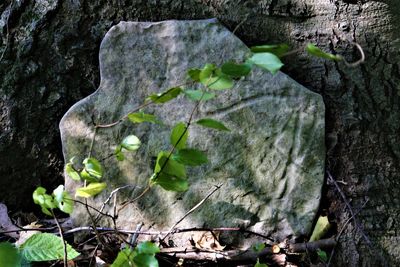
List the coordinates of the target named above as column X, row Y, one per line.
column 51, row 60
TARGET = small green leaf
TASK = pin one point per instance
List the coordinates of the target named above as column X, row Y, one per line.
column 45, row 201
column 142, row 117
column 124, row 258
column 63, row 200
column 147, row 247
column 45, row 247
column 213, row 78
column 118, row 153
column 169, row 166
column 315, row 51
column 279, row 50
column 91, row 190
column 166, row 96
column 210, row 123
column 194, row 74
column 197, row 95
column 190, row 156
column 179, row 135
column 172, row 183
column 258, row 264
column 258, row 247
column 267, row 61
column 87, row 177
column 131, row 143
column 321, row 228
column 71, row 172
column 9, row 255
column 236, row 70
column 145, row 260
column 93, row 167
column 322, row 255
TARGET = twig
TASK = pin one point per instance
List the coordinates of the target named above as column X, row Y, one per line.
column 240, row 23
column 358, row 62
column 132, row 241
column 217, row 187
column 60, row 230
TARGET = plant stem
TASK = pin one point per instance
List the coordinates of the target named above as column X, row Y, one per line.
column 62, row 238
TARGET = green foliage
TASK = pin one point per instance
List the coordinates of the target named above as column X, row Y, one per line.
column 258, row 264
column 213, row 78
column 194, row 74
column 45, row 201
column 142, row 256
column 278, row 50
column 59, row 199
column 213, row 124
column 9, row 255
column 190, row 156
column 166, row 96
column 322, row 255
column 179, row 135
column 91, row 190
column 258, row 247
column 315, row 51
column 93, row 168
column 45, row 247
column 236, row 70
column 320, row 229
column 71, row 172
column 267, row 61
column 142, row 117
column 197, row 95
column 131, row 143
column 63, row 200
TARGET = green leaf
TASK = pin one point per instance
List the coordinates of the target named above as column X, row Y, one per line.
column 124, row 258
column 236, row 70
column 258, row 247
column 142, row 117
column 9, row 255
column 91, row 190
column 45, row 201
column 145, row 260
column 194, row 74
column 87, row 177
column 315, row 51
column 197, row 95
column 147, row 247
column 213, row 78
column 179, row 135
column 93, row 167
column 63, row 200
column 322, row 255
column 45, row 247
column 165, row 96
column 172, row 183
column 258, row 264
column 71, row 172
column 267, row 61
column 279, row 50
column 190, row 156
column 118, row 153
column 321, row 228
column 131, row 143
column 170, row 167
column 210, row 123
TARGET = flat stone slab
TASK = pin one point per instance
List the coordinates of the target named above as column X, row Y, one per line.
column 270, row 165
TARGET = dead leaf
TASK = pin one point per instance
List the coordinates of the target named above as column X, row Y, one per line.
column 24, row 235
column 208, row 240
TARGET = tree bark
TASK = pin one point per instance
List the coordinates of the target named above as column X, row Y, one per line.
column 51, row 61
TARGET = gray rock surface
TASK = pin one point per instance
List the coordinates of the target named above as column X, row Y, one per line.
column 271, row 164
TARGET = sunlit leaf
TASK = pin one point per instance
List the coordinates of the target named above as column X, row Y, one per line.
column 171, row 183
column 194, row 74
column 91, row 190
column 321, row 228
column 197, row 95
column 179, row 135
column 210, row 123
column 45, row 247
column 125, row 258
column 315, row 51
column 45, row 201
column 165, row 96
column 71, row 172
column 267, row 61
column 147, row 247
column 142, row 117
column 169, row 166
column 213, row 78
column 87, row 177
column 279, row 50
column 9, row 255
column 236, row 70
column 93, row 167
column 190, row 156
column 131, row 143
column 63, row 200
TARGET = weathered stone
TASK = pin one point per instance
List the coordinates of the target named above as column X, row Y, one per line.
column 271, row 164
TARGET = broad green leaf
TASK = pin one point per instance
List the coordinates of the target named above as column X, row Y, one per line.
column 279, row 50
column 9, row 255
column 197, row 95
column 145, row 260
column 236, row 70
column 322, row 255
column 258, row 264
column 71, row 172
column 171, row 183
column 87, row 177
column 142, row 117
column 321, row 228
column 194, row 74
column 179, row 135
column 118, row 153
column 267, row 61
column 131, row 143
column 93, row 167
column 210, row 123
column 124, row 258
column 170, row 167
column 213, row 78
column 45, row 201
column 147, row 247
column 45, row 247
column 91, row 190
column 258, row 247
column 315, row 51
column 165, row 96
column 190, row 156
column 63, row 200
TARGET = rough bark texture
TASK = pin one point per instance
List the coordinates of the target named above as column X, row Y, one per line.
column 51, row 62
